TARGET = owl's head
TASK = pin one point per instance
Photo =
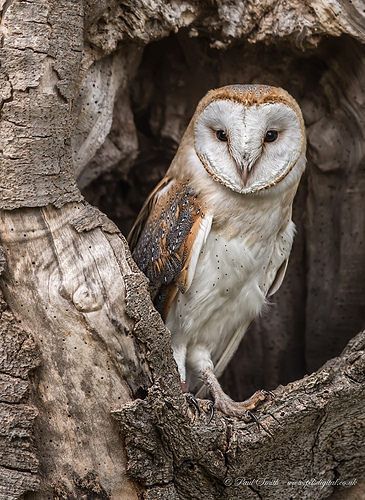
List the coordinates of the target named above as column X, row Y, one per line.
column 249, row 137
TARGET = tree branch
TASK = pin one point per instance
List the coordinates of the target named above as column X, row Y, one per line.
column 312, row 441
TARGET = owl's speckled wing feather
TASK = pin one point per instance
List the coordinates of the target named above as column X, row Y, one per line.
column 167, row 238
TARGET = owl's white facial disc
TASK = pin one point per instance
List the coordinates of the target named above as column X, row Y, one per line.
column 233, row 142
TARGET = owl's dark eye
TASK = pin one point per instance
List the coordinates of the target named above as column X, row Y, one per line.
column 221, row 135
column 271, row 136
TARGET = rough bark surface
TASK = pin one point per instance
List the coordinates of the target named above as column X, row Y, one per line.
column 102, row 92
column 312, row 431
column 18, row 459
column 40, row 58
column 63, row 280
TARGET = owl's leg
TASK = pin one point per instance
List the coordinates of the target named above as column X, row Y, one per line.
column 200, row 361
column 225, row 404
column 179, row 352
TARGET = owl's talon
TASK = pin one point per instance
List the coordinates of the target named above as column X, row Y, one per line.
column 211, row 410
column 251, row 416
column 192, row 402
column 270, row 394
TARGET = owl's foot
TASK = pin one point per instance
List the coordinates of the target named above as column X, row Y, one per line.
column 192, row 403
column 197, row 407
column 233, row 408
column 242, row 409
column 208, row 408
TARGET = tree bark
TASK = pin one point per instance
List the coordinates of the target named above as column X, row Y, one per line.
column 90, row 401
column 62, row 279
column 313, row 431
column 18, row 355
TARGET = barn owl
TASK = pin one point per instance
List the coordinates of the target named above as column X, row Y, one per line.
column 215, row 235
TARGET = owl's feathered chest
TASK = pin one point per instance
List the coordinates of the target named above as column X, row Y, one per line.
column 233, row 275
column 228, row 281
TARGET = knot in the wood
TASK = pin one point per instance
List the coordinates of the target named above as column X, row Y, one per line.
column 87, row 298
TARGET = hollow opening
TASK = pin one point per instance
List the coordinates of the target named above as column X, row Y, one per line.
column 321, row 303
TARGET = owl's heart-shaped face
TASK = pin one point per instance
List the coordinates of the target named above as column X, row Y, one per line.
column 249, row 148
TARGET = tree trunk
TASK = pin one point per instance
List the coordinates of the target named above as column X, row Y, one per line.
column 96, row 95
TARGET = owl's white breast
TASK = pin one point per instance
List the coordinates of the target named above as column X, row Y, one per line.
column 224, row 292
column 228, row 291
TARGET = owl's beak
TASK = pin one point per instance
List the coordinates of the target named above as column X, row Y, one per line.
column 245, row 171
column 247, row 164
column 244, row 164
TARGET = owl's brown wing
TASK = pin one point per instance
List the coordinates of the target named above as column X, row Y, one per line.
column 167, row 238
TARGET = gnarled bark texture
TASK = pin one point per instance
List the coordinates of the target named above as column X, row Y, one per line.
column 95, row 95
